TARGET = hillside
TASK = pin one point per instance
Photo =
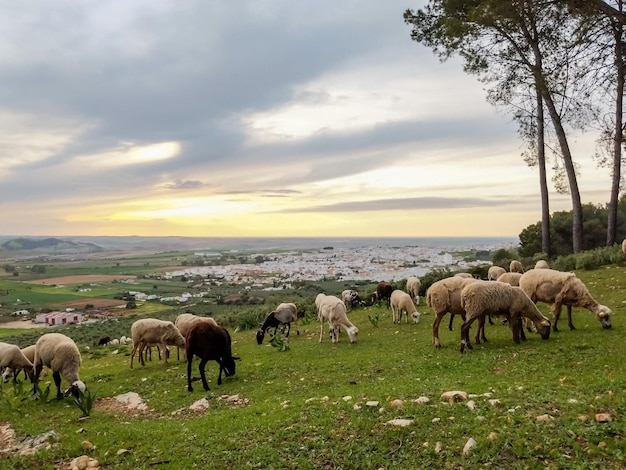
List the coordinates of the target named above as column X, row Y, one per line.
column 50, row 246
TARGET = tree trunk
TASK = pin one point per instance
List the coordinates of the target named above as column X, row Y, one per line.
column 616, row 172
column 546, row 245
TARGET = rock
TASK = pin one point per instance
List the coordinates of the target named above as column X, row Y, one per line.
column 372, row 404
column 471, row 405
column 603, row 418
column 421, row 400
column 437, row 447
column 435, row 420
column 468, row 445
column 492, row 436
column 544, row 418
column 122, row 451
column 87, row 445
column 400, row 422
column 200, row 405
column 396, row 403
column 347, row 398
column 83, row 462
column 494, row 402
column 454, row 395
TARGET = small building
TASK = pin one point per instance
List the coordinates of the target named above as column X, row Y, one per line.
column 21, row 312
column 59, row 318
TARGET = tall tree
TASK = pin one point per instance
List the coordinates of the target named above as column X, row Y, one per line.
column 530, row 41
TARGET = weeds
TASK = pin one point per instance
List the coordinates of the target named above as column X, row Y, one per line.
column 84, row 401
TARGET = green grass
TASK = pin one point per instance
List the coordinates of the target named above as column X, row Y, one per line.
column 297, row 416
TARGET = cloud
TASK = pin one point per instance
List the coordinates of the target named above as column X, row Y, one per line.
column 184, row 184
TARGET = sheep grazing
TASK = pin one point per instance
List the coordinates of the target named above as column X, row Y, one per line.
column 511, row 278
column 402, row 302
column 556, row 289
column 516, row 267
column 542, row 264
column 333, row 310
column 284, row 314
column 184, row 322
column 104, row 341
column 495, row 272
column 210, row 342
column 479, row 299
column 383, row 292
column 351, row 298
column 413, row 285
column 12, row 361
column 445, row 296
column 60, row 354
column 148, row 331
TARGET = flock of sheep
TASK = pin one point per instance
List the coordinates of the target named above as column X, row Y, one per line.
column 512, row 294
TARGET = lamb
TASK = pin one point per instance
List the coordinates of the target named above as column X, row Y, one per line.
column 210, row 342
column 516, row 267
column 402, row 302
column 444, row 296
column 333, row 310
column 12, row 360
column 284, row 314
column 542, row 264
column 413, row 285
column 556, row 289
column 495, row 272
column 149, row 331
column 350, row 298
column 61, row 355
column 498, row 298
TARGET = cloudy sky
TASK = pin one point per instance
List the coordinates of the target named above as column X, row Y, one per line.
column 248, row 118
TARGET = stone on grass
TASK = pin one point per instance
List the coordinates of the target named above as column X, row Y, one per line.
column 454, row 395
column 603, row 418
column 421, row 400
column 471, row 405
column 544, row 418
column 396, row 403
column 468, row 445
column 400, row 422
column 372, row 404
column 200, row 405
column 84, row 462
column 437, row 447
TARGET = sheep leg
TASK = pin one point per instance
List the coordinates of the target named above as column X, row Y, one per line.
column 202, row 373
column 321, row 329
column 556, row 313
column 288, row 330
column 219, row 377
column 165, row 354
column 132, row 354
column 57, row 381
column 480, row 332
column 436, row 328
column 465, row 341
column 189, row 360
column 569, row 318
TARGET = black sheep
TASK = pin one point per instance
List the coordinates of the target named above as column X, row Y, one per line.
column 210, row 343
column 104, row 340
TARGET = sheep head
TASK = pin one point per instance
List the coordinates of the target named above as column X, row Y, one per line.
column 603, row 314
column 76, row 387
column 416, row 317
column 353, row 333
column 259, row 336
column 543, row 328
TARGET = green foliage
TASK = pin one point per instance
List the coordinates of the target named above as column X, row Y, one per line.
column 280, row 341
column 84, row 401
column 373, row 318
column 433, row 276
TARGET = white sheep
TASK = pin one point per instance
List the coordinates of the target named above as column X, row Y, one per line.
column 413, row 285
column 495, row 272
column 516, row 267
column 12, row 360
column 282, row 315
column 557, row 288
column 185, row 321
column 124, row 340
column 542, row 264
column 148, row 331
column 511, row 278
column 61, row 355
column 444, row 296
column 402, row 302
column 467, row 275
column 333, row 310
column 479, row 299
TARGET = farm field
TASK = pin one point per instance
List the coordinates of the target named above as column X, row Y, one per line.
column 535, row 404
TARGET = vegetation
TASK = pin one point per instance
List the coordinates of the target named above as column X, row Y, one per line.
column 304, row 404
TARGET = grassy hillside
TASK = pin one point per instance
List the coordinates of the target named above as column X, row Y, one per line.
column 306, row 407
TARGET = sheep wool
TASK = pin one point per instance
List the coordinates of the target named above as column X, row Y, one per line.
column 413, row 285
column 402, row 302
column 61, row 355
column 12, row 360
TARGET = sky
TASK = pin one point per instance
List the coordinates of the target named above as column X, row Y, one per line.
column 252, row 119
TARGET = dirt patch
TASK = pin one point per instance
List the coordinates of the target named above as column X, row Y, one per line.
column 128, row 404
column 21, row 324
column 27, row 445
column 81, row 279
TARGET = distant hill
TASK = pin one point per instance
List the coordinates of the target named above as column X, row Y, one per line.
column 50, row 245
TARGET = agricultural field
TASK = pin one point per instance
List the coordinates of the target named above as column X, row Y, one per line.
column 299, row 403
